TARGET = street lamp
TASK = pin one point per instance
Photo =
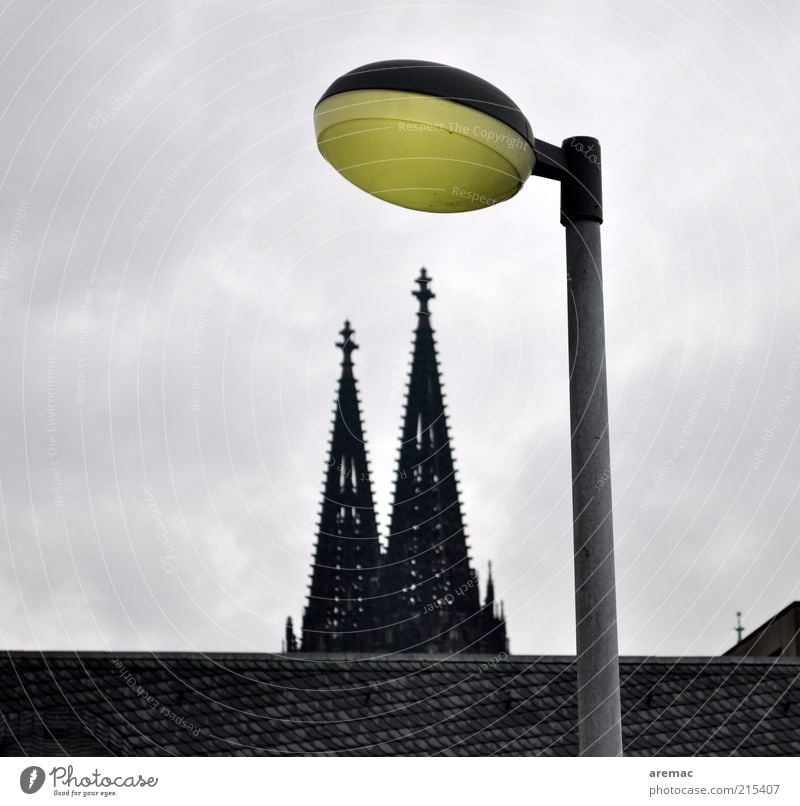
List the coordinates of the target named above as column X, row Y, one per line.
column 429, row 137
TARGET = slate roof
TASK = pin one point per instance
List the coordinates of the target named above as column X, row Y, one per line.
column 92, row 703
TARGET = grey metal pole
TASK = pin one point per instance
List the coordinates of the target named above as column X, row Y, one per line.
column 599, row 707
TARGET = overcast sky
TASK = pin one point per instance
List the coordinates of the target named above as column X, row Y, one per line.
column 176, row 260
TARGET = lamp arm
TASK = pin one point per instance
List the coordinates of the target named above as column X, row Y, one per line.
column 551, row 162
column 576, row 164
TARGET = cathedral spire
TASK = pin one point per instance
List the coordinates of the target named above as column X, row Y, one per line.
column 339, row 616
column 432, row 591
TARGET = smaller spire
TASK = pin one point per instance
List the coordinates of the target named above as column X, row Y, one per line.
column 347, row 345
column 424, row 294
column 290, row 641
column 490, row 587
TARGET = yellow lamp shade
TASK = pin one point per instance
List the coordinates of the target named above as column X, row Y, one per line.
column 419, row 149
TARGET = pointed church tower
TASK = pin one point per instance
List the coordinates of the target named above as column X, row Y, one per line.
column 432, row 597
column 494, row 621
column 340, row 613
column 490, row 588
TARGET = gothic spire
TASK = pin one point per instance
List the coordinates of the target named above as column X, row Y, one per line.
column 339, row 616
column 433, row 592
column 289, row 642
